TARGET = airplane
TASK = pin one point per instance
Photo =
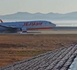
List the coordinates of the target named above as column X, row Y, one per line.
column 24, row 26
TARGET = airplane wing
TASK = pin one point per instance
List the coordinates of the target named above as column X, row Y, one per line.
column 14, row 29
column 11, row 29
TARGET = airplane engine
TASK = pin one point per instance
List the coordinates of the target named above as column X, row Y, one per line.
column 24, row 29
column 11, row 30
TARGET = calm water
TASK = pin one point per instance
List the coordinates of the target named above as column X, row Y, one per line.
column 74, row 65
column 66, row 23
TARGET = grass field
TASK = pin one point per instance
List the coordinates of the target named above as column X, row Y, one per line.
column 18, row 47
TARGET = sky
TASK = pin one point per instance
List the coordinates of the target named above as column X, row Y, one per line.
column 34, row 6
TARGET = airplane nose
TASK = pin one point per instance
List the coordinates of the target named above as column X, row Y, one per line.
column 52, row 24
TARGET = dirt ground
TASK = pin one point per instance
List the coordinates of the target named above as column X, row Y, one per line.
column 18, row 47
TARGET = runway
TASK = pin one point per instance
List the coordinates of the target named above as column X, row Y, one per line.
column 55, row 30
column 51, row 32
column 59, row 32
column 43, row 32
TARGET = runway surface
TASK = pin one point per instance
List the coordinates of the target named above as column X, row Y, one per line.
column 52, row 32
column 55, row 30
column 60, row 59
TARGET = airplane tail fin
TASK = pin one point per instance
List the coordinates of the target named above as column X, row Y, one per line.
column 1, row 21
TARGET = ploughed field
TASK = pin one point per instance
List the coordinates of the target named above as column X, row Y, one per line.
column 17, row 47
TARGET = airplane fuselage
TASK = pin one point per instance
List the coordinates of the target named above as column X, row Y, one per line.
column 24, row 26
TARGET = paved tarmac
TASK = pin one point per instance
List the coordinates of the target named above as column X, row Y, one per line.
column 50, row 31
column 54, row 31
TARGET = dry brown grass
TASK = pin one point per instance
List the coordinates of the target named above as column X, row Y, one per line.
column 18, row 47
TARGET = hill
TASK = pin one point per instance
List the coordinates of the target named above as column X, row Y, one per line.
column 38, row 16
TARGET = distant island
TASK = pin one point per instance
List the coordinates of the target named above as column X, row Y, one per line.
column 39, row 16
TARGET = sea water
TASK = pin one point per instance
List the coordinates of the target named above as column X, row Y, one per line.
column 72, row 23
column 73, row 65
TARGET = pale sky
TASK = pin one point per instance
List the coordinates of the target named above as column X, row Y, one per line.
column 34, row 6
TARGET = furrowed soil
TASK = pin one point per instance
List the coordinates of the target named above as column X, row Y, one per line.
column 16, row 47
